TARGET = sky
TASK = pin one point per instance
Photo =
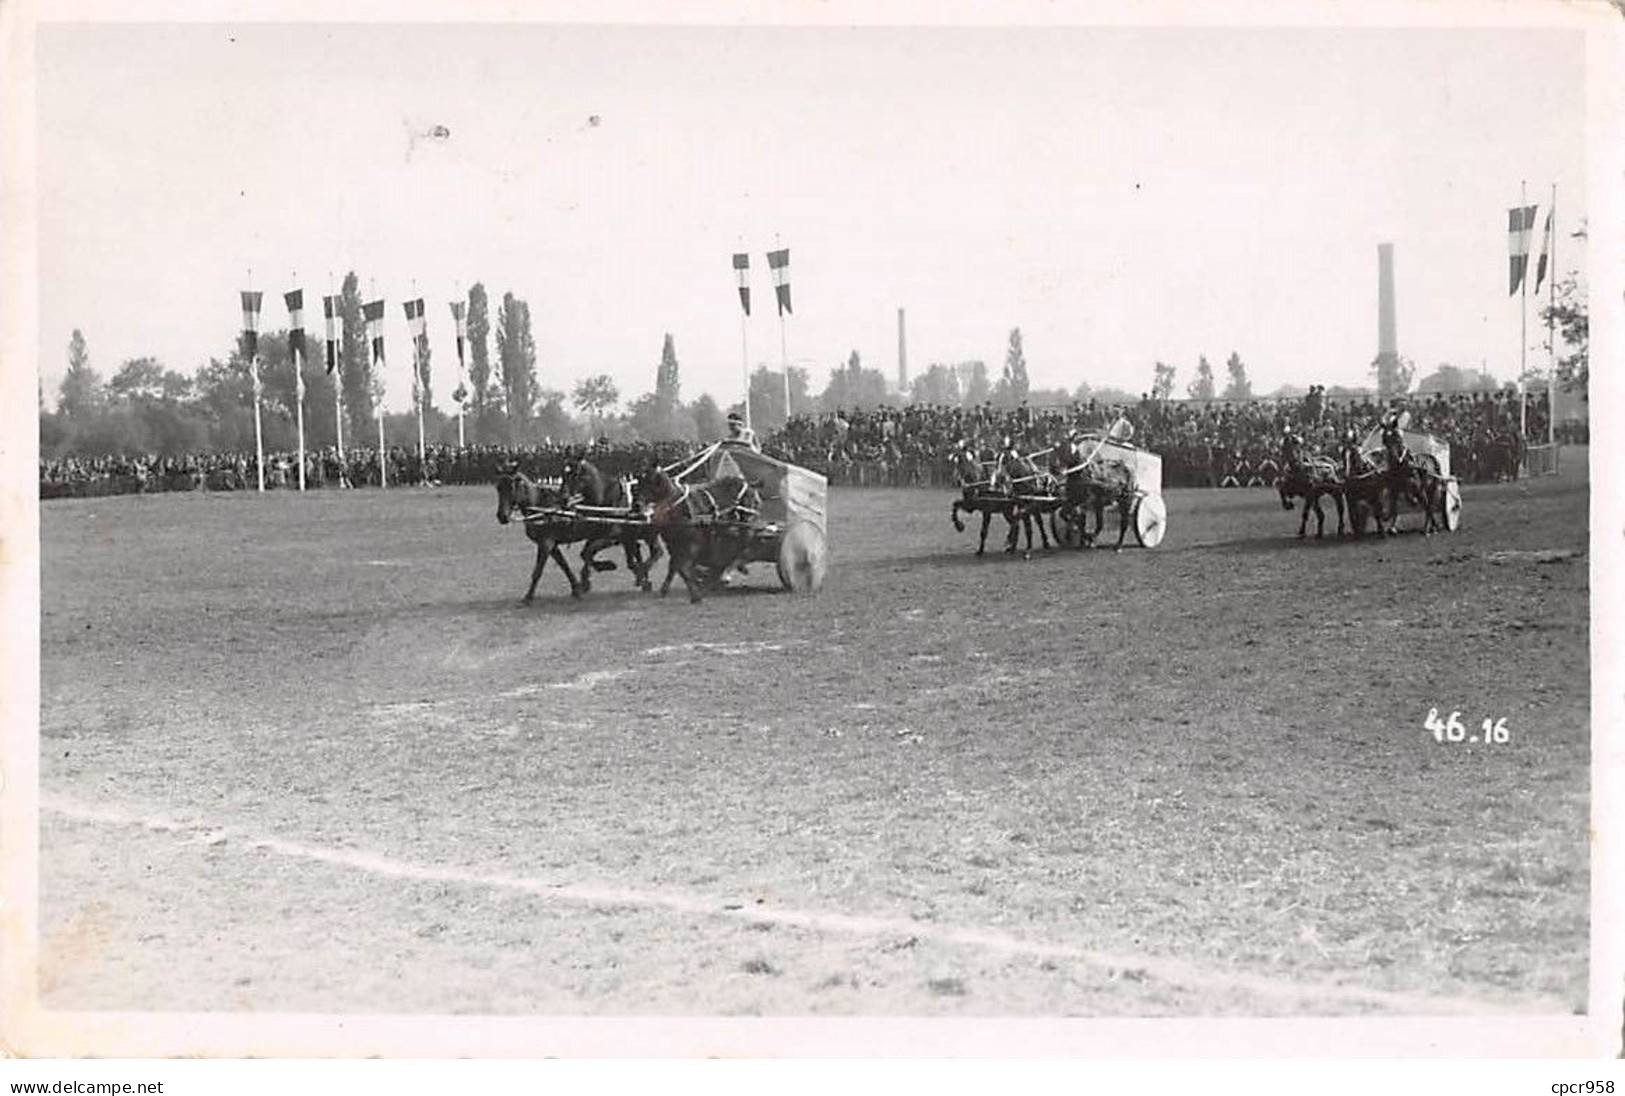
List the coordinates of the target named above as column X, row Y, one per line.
column 1122, row 195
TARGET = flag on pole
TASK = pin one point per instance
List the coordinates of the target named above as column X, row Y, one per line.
column 295, row 300
column 460, row 322
column 779, row 262
column 251, row 322
column 1520, row 219
column 414, row 318
column 417, row 325
column 1545, row 251
column 373, row 312
column 742, row 269
column 330, row 311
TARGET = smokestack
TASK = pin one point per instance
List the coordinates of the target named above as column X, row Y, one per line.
column 1387, row 339
column 902, row 354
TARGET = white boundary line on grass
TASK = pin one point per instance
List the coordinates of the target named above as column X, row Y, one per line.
column 1177, row 972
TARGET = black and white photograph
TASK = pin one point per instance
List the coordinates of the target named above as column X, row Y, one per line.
column 741, row 531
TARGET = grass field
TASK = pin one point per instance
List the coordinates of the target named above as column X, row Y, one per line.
column 310, row 753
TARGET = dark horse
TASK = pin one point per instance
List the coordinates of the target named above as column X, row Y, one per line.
column 517, row 491
column 1309, row 478
column 585, row 485
column 705, row 526
column 1409, row 477
column 1364, row 485
column 1083, row 495
column 1018, row 476
column 976, row 495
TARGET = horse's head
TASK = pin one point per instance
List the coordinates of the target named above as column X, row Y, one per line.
column 508, row 476
column 652, row 488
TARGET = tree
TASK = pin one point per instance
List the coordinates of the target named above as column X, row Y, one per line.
column 1014, row 385
column 1394, row 375
column 138, row 379
column 481, row 396
column 595, row 395
column 708, row 422
column 937, row 385
column 355, row 360
column 668, row 387
column 1453, row 378
column 516, row 357
column 1163, row 386
column 853, row 386
column 767, row 397
column 1570, row 315
column 1202, row 387
column 552, row 420
column 974, row 382
column 80, row 394
column 1239, row 388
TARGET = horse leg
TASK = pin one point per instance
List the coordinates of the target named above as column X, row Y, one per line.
column 576, row 589
column 634, row 561
column 1337, row 500
column 1320, row 518
column 953, row 514
column 1122, row 522
column 987, row 519
column 543, row 547
column 1303, row 522
column 1043, row 533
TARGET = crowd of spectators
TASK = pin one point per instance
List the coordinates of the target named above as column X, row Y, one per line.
column 1212, row 443
column 1202, row 443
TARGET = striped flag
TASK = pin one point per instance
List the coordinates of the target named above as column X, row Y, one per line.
column 742, row 269
column 414, row 318
column 1520, row 219
column 330, row 312
column 779, row 263
column 295, row 300
column 459, row 320
column 1545, row 251
column 373, row 312
column 418, row 326
column 251, row 322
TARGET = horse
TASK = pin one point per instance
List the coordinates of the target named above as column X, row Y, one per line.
column 976, row 495
column 704, row 525
column 1082, row 495
column 1411, row 478
column 1309, row 479
column 1363, row 485
column 585, row 485
column 515, row 491
column 1013, row 475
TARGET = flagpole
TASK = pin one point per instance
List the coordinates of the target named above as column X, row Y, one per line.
column 459, row 332
column 254, row 369
column 784, row 358
column 383, row 474
column 1523, row 317
column 1551, row 337
column 417, row 387
column 744, row 353
column 299, row 387
column 338, row 388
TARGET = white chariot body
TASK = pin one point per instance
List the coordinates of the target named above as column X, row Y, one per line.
column 1122, row 464
column 1433, row 454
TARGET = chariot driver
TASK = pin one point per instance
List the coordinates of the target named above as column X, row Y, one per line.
column 1355, row 462
column 1393, row 438
column 739, row 433
column 1006, row 462
column 1291, row 448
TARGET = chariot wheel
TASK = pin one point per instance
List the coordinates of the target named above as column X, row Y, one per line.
column 1150, row 520
column 1452, row 504
column 802, row 561
column 1066, row 528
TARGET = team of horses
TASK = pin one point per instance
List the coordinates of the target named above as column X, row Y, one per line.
column 701, row 528
column 1361, row 486
column 1014, row 487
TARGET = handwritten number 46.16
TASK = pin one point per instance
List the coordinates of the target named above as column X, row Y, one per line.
column 1453, row 730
